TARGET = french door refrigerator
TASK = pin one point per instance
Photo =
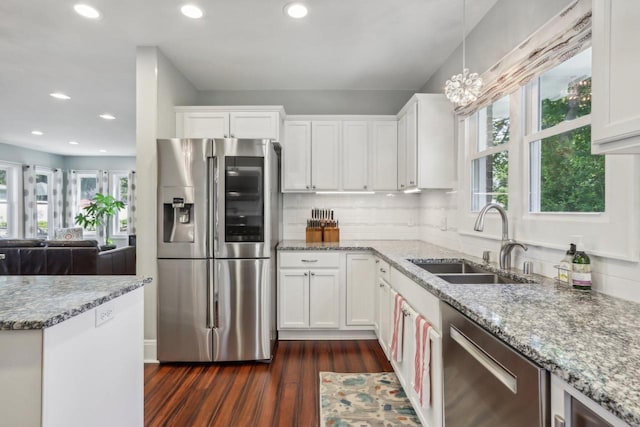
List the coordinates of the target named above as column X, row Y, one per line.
column 219, row 209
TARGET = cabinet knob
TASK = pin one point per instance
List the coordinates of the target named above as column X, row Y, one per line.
column 377, row 261
column 411, row 182
column 226, row 136
column 382, row 270
column 306, row 274
column 233, row 136
column 313, row 274
column 381, row 285
column 365, row 187
column 307, row 187
column 313, row 186
column 401, row 185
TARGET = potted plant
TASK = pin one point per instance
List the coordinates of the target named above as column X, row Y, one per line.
column 99, row 212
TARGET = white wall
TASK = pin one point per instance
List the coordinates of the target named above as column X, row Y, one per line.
column 314, row 101
column 99, row 162
column 159, row 86
column 21, row 155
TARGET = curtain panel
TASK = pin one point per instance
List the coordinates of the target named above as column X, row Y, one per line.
column 57, row 197
column 562, row 37
column 131, row 202
column 29, row 201
column 71, row 199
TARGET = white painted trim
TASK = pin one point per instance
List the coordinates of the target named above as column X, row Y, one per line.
column 334, row 117
column 150, row 351
column 204, row 108
column 306, row 334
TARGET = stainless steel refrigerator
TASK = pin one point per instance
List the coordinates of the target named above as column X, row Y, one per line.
column 219, row 215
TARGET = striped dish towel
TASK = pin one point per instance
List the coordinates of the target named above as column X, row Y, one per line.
column 422, row 362
column 398, row 328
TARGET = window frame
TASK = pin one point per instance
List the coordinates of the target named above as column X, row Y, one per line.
column 85, row 174
column 48, row 172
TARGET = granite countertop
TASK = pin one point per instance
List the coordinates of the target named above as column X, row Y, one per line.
column 588, row 339
column 38, row 302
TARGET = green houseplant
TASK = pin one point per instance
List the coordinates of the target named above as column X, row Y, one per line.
column 99, row 212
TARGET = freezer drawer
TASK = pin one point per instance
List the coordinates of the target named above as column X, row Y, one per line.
column 242, row 310
column 183, row 335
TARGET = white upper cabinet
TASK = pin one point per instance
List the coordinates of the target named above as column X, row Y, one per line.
column 383, row 173
column 355, row 155
column 296, row 156
column 615, row 115
column 325, row 155
column 203, row 124
column 425, row 128
column 223, row 122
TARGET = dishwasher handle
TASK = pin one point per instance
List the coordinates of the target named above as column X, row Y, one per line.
column 501, row 374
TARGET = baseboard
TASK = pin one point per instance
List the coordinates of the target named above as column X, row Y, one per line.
column 150, row 351
column 306, row 334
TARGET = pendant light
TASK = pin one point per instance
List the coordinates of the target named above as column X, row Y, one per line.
column 463, row 88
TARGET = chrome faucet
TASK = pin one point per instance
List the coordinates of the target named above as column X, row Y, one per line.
column 507, row 245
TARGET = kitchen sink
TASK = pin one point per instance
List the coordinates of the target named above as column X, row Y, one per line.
column 465, row 272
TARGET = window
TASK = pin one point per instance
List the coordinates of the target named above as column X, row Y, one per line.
column 87, row 189
column 44, row 208
column 120, row 186
column 564, row 176
column 490, row 158
column 9, row 201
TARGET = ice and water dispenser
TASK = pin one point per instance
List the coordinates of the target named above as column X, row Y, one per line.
column 178, row 224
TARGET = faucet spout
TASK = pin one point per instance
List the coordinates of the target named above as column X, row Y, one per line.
column 479, row 225
column 505, row 252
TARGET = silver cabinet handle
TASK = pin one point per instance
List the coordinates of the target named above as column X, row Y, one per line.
column 306, row 274
column 381, row 285
column 377, row 261
column 487, row 362
column 307, row 187
column 411, row 182
column 401, row 185
column 233, row 136
column 313, row 186
column 309, row 260
column 226, row 135
column 365, row 187
column 313, row 274
column 558, row 421
column 383, row 270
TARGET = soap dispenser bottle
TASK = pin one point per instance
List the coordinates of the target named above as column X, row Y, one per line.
column 565, row 267
column 581, row 274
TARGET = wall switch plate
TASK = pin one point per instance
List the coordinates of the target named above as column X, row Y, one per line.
column 104, row 313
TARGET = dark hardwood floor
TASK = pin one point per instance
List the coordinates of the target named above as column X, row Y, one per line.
column 282, row 393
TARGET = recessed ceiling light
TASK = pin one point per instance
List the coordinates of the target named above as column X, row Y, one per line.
column 86, row 11
column 59, row 95
column 191, row 11
column 37, row 132
column 103, row 151
column 73, row 143
column 107, row 116
column 296, row 10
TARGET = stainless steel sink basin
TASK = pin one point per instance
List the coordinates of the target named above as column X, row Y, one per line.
column 475, row 278
column 465, row 272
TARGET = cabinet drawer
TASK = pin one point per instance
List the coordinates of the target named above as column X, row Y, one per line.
column 308, row 259
column 383, row 270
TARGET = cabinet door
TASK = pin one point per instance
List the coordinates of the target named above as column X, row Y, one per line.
column 355, row 155
column 324, row 299
column 412, row 145
column 293, row 299
column 384, row 315
column 402, row 153
column 258, row 124
column 384, row 159
column 361, row 282
column 616, row 65
column 204, row 125
column 296, row 156
column 325, row 149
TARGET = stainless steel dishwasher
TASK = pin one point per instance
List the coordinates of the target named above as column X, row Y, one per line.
column 487, row 383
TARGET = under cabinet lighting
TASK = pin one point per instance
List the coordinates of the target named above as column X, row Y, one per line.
column 412, row 190
column 73, row 142
column 37, row 132
column 107, row 116
column 191, row 11
column 296, row 10
column 87, row 11
column 60, row 95
column 103, row 151
column 345, row 192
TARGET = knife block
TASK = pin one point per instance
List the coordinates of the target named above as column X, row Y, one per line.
column 314, row 235
column 331, row 234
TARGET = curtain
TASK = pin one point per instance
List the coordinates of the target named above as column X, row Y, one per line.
column 562, row 37
column 29, row 201
column 103, row 188
column 131, row 202
column 71, row 201
column 57, row 201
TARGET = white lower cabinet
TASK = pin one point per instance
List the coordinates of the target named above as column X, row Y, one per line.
column 361, row 281
column 385, row 316
column 308, row 298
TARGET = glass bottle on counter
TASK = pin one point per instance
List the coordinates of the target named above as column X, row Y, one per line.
column 566, row 265
column 581, row 271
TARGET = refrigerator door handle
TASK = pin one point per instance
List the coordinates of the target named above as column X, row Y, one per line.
column 211, row 288
column 213, row 212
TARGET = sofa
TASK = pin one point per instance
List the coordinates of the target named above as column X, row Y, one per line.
column 64, row 257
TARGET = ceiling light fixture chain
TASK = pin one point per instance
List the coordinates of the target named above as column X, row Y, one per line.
column 464, row 88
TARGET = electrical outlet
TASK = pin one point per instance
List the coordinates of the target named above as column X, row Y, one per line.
column 104, row 313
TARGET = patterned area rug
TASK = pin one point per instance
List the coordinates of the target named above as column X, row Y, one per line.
column 364, row 400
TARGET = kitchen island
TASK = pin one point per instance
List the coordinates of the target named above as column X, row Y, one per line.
column 588, row 340
column 71, row 350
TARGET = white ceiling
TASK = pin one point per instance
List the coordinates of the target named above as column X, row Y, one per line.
column 239, row 44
